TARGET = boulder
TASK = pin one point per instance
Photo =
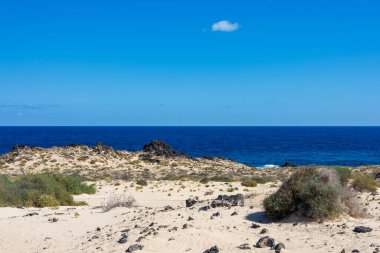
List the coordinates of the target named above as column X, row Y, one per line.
column 228, row 200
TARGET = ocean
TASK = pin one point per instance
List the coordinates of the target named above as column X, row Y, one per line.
column 256, row 146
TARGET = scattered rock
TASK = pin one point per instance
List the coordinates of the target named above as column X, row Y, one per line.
column 190, row 218
column 264, row 231
column 204, row 208
column 134, row 247
column 362, row 229
column 279, row 247
column 214, row 249
column 265, row 242
column 30, row 214
column 190, row 202
column 123, row 239
column 245, row 246
column 255, row 225
column 234, row 213
column 54, row 219
column 228, row 200
column 214, row 215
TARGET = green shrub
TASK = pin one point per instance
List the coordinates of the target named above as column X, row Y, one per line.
column 363, row 182
column 222, row 179
column 314, row 194
column 263, row 180
column 344, row 174
column 248, row 182
column 142, row 182
column 42, row 190
column 204, row 180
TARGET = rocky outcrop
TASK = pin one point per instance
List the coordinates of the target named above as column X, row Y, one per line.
column 288, row 165
column 160, row 148
column 100, row 148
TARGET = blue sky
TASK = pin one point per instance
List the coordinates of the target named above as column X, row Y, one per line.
column 140, row 62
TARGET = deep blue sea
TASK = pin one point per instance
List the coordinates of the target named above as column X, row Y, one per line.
column 256, row 146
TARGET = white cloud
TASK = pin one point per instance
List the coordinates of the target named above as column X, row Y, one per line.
column 225, row 26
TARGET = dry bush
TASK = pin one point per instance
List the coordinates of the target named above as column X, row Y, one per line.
column 117, row 201
column 352, row 205
column 317, row 194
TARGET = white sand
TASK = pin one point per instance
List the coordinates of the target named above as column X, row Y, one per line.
column 73, row 233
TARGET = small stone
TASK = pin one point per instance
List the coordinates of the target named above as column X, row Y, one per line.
column 234, row 213
column 279, row 247
column 134, row 247
column 245, row 246
column 123, row 239
column 254, row 225
column 265, row 242
column 264, row 231
column 214, row 249
column 190, row 202
column 362, row 229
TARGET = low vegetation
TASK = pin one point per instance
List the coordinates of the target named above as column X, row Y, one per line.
column 344, row 174
column 249, row 182
column 142, row 182
column 42, row 190
column 117, row 201
column 315, row 194
column 362, row 182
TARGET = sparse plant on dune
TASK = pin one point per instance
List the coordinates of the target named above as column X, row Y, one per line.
column 117, row 201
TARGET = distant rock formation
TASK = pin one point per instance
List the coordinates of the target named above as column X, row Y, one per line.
column 160, row 148
column 288, row 165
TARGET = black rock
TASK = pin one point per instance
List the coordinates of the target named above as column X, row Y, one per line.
column 279, row 247
column 228, row 200
column 190, row 218
column 123, row 239
column 160, row 148
column 214, row 249
column 264, row 231
column 287, row 165
column 214, row 215
column 254, row 225
column 234, row 213
column 190, row 202
column 204, row 208
column 30, row 214
column 134, row 247
column 362, row 229
column 265, row 242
